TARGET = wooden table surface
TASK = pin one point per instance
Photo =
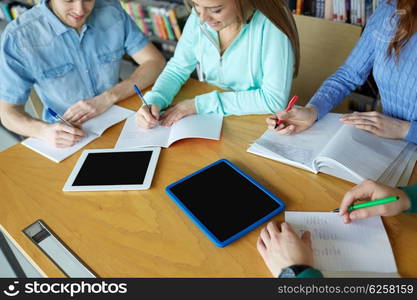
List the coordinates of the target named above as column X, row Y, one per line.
column 144, row 233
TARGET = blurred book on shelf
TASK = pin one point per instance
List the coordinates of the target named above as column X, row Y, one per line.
column 10, row 10
column 355, row 12
column 161, row 20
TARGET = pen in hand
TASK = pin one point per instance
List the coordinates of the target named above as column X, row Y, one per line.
column 287, row 109
column 58, row 117
column 370, row 203
column 137, row 90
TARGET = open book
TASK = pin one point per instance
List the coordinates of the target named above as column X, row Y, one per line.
column 358, row 249
column 93, row 128
column 336, row 149
column 195, row 126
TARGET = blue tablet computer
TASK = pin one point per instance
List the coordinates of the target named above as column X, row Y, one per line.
column 224, row 202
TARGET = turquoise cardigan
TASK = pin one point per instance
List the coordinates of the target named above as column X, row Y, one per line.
column 256, row 69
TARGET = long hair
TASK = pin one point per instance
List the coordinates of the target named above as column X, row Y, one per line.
column 406, row 27
column 278, row 12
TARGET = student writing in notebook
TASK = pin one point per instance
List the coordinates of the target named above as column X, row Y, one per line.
column 70, row 52
column 248, row 47
column 288, row 255
column 388, row 48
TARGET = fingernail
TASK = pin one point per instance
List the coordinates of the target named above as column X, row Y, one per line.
column 353, row 216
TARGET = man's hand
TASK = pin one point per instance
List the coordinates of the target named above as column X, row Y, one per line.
column 84, row 110
column 61, row 135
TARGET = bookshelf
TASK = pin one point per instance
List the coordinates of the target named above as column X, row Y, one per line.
column 10, row 10
column 161, row 20
column 356, row 12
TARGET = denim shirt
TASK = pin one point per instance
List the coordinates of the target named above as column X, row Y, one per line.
column 38, row 50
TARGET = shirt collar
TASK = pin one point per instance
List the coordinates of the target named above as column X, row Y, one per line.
column 53, row 20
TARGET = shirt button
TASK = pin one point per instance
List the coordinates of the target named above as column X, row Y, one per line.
column 87, row 71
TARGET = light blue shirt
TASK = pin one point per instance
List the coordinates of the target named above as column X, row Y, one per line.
column 38, row 50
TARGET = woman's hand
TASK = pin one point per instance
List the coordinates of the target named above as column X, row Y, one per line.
column 378, row 124
column 296, row 120
column 370, row 190
column 178, row 111
column 147, row 119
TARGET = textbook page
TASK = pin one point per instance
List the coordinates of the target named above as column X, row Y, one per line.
column 93, row 128
column 300, row 149
column 363, row 154
column 361, row 248
column 194, row 126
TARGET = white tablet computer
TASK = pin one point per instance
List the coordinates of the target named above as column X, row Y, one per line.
column 113, row 169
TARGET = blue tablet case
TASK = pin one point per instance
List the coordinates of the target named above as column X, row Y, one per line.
column 269, row 207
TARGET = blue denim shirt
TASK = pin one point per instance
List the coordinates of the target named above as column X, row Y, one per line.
column 38, row 50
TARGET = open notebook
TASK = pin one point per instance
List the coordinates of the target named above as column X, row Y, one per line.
column 358, row 249
column 93, row 129
column 336, row 149
column 195, row 126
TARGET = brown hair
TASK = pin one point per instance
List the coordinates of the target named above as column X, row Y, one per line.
column 278, row 12
column 407, row 25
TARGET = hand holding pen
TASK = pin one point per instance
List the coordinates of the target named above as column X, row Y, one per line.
column 382, row 201
column 61, row 134
column 292, row 120
column 290, row 105
column 148, row 115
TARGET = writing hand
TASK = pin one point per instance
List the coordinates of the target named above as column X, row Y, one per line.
column 294, row 121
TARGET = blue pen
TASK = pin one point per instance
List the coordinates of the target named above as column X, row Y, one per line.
column 58, row 117
column 137, row 90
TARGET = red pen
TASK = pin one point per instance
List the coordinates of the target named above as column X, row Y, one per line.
column 289, row 107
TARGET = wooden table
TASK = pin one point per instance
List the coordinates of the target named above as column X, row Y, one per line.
column 143, row 233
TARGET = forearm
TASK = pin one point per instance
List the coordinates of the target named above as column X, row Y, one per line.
column 18, row 121
column 144, row 76
column 335, row 89
column 256, row 101
column 168, row 84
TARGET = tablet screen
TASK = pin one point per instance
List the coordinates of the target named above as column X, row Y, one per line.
column 224, row 200
column 113, row 168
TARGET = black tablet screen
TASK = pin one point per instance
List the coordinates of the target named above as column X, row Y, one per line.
column 114, row 168
column 223, row 200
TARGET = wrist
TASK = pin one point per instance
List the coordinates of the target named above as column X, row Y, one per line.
column 312, row 112
column 405, row 129
column 39, row 130
column 194, row 108
column 293, row 271
column 404, row 200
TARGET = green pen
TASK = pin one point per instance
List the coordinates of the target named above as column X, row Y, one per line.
column 371, row 203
